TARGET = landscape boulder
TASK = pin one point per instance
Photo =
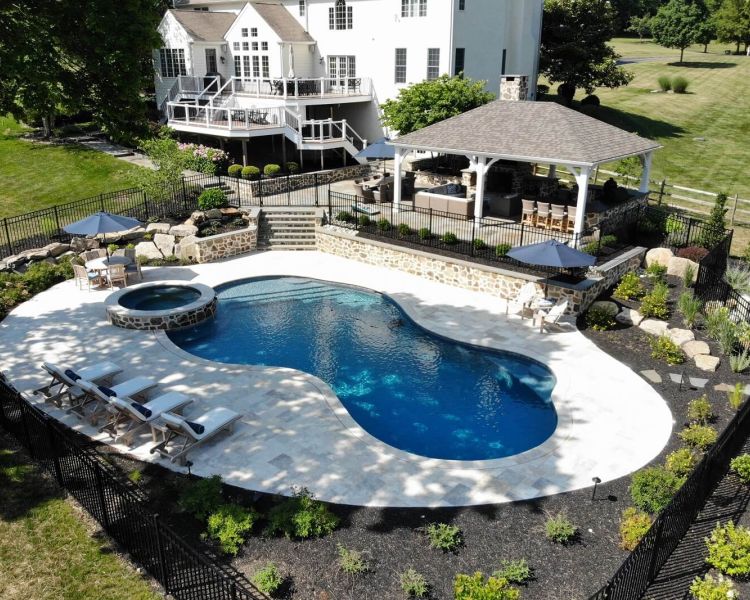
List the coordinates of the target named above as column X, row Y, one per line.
column 197, row 217
column 610, row 307
column 659, row 256
column 214, row 213
column 677, row 266
column 165, row 243
column 80, row 244
column 158, row 228
column 654, row 326
column 680, row 336
column 117, row 237
column 181, row 231
column 56, row 249
column 148, row 250
column 187, row 249
column 629, row 316
column 694, row 348
column 706, row 362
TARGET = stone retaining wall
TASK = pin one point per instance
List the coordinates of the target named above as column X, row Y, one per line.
column 226, row 244
column 177, row 319
column 281, row 185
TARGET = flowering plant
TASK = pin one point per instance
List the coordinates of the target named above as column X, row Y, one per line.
column 204, row 158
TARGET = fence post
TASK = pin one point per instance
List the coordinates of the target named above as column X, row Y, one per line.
column 55, row 456
column 315, row 179
column 100, row 494
column 101, row 201
column 57, row 217
column 429, row 227
column 288, row 190
column 521, row 243
column 7, row 235
column 734, row 209
column 233, row 590
column 689, row 229
column 184, row 194
column 24, row 407
column 145, row 205
column 330, row 206
column 661, row 191
column 162, row 563
column 473, row 235
column 654, row 553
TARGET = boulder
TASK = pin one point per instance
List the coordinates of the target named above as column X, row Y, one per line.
column 79, row 244
column 197, row 217
column 658, row 255
column 56, row 249
column 695, row 347
column 117, row 237
column 165, row 243
column 706, row 362
column 629, row 316
column 230, row 212
column 158, row 228
column 677, row 267
column 606, row 305
column 654, row 326
column 148, row 250
column 15, row 261
column 181, row 231
column 681, row 336
column 187, row 250
column 214, row 213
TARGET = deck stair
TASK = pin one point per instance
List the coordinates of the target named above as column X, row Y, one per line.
column 288, row 228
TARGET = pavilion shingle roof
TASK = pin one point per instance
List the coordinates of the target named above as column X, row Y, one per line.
column 205, row 26
column 534, row 131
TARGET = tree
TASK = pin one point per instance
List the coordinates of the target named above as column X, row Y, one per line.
column 715, row 226
column 169, row 160
column 640, row 25
column 678, row 24
column 732, row 22
column 428, row 102
column 574, row 49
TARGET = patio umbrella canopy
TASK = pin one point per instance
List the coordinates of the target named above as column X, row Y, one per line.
column 552, row 254
column 379, row 149
column 101, row 222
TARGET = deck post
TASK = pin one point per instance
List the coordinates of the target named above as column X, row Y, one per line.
column 646, row 172
column 581, row 175
column 481, row 166
column 244, row 153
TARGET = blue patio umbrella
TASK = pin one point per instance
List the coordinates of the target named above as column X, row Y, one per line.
column 101, row 222
column 551, row 254
column 378, row 149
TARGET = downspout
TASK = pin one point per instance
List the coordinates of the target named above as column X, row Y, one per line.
column 451, row 50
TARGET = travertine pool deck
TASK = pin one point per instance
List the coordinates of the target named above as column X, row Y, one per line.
column 295, row 432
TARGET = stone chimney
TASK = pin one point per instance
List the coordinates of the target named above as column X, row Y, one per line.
column 514, row 87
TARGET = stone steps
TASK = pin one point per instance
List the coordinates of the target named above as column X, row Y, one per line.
column 287, row 229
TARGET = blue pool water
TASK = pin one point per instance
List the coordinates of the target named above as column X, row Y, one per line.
column 411, row 389
column 159, row 297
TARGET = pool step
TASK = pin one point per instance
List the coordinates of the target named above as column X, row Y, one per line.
column 284, row 228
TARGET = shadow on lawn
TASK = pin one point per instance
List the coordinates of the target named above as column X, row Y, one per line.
column 703, row 65
column 640, row 124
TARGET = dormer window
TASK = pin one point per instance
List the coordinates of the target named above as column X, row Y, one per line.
column 244, row 32
column 340, row 16
column 253, row 32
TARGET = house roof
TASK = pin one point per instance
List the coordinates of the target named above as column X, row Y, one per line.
column 530, row 132
column 281, row 21
column 204, row 26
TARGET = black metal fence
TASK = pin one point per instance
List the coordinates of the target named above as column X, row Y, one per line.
column 119, row 507
column 660, row 227
column 712, row 288
column 643, row 564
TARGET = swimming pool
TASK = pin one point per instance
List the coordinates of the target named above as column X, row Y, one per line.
column 407, row 387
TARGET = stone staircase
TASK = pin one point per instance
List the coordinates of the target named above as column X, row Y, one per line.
column 288, row 228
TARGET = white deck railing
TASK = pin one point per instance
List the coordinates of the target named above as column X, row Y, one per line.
column 270, row 87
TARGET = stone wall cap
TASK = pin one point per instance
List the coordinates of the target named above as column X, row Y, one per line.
column 226, row 234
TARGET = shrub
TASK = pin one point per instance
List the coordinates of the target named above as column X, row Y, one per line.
column 301, row 516
column 741, row 465
column 600, row 318
column 515, row 571
column 235, row 171
column 689, row 307
column 633, row 526
column 699, row 436
column 271, row 170
column 344, row 216
column 404, row 230
column 414, row 584
column 384, row 225
column 727, row 337
column 665, row 83
column 708, row 588
column 292, row 167
column 502, row 249
column 449, row 238
column 663, row 348
column 479, row 244
column 212, row 198
column 351, row 561
column 681, row 462
column 652, row 488
column 654, row 304
column 688, row 276
column 475, row 587
column 629, row 288
column 739, row 363
column 738, row 278
column 591, row 100
column 443, row 536
column 737, row 396
column 559, row 529
column 680, row 85
column 111, row 248
column 699, row 410
column 743, row 334
column 229, row 525
column 202, row 497
column 38, row 277
column 694, row 253
column 268, row 579
column 657, row 271
column 424, row 233
column 250, row 172
column 364, row 221
column 135, row 476
column 716, row 318
column 729, row 549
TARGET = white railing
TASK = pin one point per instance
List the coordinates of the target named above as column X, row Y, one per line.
column 327, row 130
column 283, row 87
column 223, row 117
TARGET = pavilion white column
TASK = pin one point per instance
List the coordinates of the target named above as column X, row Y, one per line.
column 646, row 173
column 479, row 195
column 397, row 160
column 581, row 175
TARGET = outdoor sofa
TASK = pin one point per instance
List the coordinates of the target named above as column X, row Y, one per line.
column 449, row 198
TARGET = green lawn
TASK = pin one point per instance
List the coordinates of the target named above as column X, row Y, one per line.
column 46, row 553
column 38, row 175
column 715, row 108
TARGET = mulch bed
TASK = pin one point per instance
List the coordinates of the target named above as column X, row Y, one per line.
column 392, row 539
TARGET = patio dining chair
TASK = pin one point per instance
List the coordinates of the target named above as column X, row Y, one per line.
column 116, row 275
column 542, row 214
column 134, row 268
column 91, row 255
column 570, row 219
column 557, row 217
column 88, row 277
column 528, row 213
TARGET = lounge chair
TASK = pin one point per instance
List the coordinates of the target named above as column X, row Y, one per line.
column 136, row 417
column 65, row 380
column 99, row 395
column 523, row 299
column 552, row 316
column 186, row 434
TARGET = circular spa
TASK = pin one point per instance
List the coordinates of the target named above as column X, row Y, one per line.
column 161, row 305
column 404, row 385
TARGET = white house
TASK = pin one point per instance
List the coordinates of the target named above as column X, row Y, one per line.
column 316, row 71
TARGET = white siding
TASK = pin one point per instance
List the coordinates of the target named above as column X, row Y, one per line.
column 248, row 19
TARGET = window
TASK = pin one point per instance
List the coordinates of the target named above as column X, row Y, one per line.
column 433, row 63
column 172, row 62
column 301, row 8
column 413, row 8
column 246, row 66
column 255, row 46
column 400, row 65
column 264, row 46
column 237, row 67
column 342, row 69
column 211, row 66
column 256, row 66
column 458, row 67
column 236, row 46
column 253, row 32
column 245, row 46
column 244, row 32
column 341, row 16
column 461, row 4
column 266, row 69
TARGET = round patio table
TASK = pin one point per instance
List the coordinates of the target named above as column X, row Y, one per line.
column 102, row 264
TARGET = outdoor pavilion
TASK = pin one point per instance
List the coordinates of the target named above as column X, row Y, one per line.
column 532, row 132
